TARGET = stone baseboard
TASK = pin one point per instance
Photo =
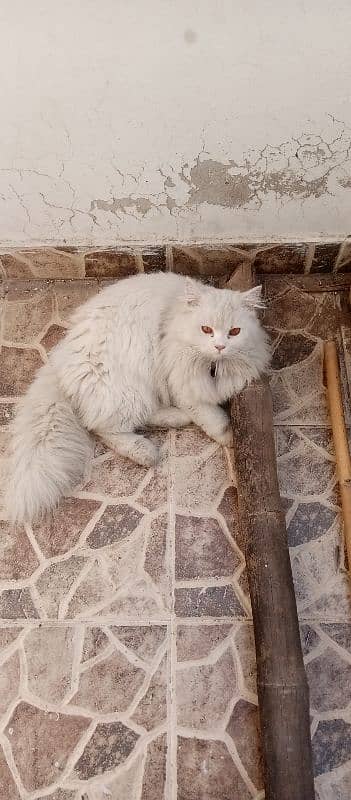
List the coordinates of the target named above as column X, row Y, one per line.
column 214, row 263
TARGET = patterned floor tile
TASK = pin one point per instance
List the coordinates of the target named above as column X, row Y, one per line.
column 129, row 608
column 299, row 323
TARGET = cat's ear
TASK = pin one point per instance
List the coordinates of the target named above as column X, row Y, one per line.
column 253, row 298
column 192, row 293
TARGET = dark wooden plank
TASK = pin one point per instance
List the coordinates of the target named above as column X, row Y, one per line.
column 281, row 680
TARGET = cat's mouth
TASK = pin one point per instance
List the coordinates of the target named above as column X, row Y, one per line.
column 213, row 369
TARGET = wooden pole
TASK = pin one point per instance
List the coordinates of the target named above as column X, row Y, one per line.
column 342, row 453
column 283, row 695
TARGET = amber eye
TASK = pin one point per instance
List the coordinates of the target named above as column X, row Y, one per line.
column 234, row 331
column 206, row 329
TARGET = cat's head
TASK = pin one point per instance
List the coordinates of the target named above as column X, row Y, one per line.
column 221, row 323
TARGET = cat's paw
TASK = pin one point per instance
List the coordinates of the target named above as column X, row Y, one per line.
column 224, row 438
column 146, row 454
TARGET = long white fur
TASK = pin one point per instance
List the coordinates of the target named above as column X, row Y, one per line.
column 135, row 356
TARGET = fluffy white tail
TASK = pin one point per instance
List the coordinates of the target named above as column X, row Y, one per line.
column 49, row 450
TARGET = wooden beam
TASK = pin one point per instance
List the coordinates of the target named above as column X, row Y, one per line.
column 283, row 695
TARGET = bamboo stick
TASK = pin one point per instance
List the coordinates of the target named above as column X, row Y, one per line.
column 342, row 453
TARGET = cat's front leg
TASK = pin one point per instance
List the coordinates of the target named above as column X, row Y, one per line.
column 169, row 417
column 214, row 421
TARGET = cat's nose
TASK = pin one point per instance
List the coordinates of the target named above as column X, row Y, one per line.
column 220, row 347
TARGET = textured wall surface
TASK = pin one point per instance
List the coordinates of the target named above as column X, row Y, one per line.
column 135, row 121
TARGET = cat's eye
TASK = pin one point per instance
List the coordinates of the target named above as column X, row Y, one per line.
column 234, row 331
column 206, row 329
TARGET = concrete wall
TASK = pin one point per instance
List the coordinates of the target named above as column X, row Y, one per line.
column 151, row 120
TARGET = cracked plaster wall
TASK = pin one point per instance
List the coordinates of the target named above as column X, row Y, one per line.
column 158, row 120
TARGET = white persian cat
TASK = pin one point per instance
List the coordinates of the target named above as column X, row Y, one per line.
column 158, row 349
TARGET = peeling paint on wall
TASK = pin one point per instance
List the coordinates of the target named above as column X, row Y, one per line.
column 169, row 201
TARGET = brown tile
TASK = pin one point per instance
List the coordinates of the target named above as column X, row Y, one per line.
column 116, row 523
column 152, row 709
column 245, row 647
column 199, row 480
column 144, row 640
column 55, row 583
column 135, row 602
column 304, row 471
column 291, row 349
column 214, row 601
column 154, row 780
column 7, row 412
column 309, row 639
column 280, row 258
column 95, row 642
column 109, row 746
column 155, row 493
column 126, row 781
column 111, row 263
column 109, row 685
column 204, row 692
column 333, row 603
column 8, row 789
column 9, row 681
column 63, row 527
column 54, row 262
column 190, row 441
column 197, row 641
column 24, row 321
column 329, row 679
column 341, row 787
column 305, row 588
column 115, row 476
column 18, row 559
column 325, row 256
column 310, row 521
column 206, row 770
column 17, row 370
column 49, row 655
column 53, row 336
column 124, row 560
column 154, row 259
column 70, row 296
column 95, row 589
column 15, row 268
column 326, row 321
column 202, row 549
column 339, row 633
column 293, row 309
column 210, row 263
column 8, row 635
column 41, row 742
column 244, row 728
column 155, row 563
column 17, row 604
column 331, row 745
column 322, row 557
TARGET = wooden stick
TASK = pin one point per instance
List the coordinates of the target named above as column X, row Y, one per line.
column 342, row 453
column 283, row 695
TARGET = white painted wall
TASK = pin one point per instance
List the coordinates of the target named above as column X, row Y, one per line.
column 154, row 120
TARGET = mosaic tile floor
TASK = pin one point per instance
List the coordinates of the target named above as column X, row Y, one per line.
column 127, row 666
